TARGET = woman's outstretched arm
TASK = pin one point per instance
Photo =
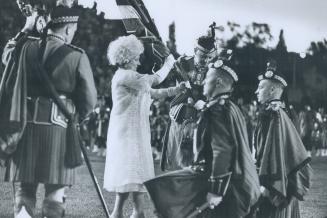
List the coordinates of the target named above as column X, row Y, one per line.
column 168, row 92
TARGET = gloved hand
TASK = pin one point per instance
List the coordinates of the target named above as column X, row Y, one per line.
column 213, row 200
column 199, row 105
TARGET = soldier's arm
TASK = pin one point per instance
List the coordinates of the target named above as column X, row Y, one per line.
column 10, row 46
column 86, row 94
column 14, row 43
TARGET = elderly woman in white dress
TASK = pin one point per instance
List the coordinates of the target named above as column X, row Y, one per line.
column 129, row 160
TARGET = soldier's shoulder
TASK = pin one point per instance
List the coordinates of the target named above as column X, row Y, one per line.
column 23, row 40
column 75, row 48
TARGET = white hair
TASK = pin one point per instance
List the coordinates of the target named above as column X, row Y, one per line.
column 124, row 50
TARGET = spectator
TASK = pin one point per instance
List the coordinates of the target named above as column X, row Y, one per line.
column 102, row 122
column 307, row 118
column 316, row 139
column 324, row 136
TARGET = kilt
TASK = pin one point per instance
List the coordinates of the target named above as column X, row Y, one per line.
column 40, row 157
column 177, row 156
column 177, row 194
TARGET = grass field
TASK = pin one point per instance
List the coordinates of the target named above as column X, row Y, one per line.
column 82, row 201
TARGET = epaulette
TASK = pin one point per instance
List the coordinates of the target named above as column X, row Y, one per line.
column 75, row 48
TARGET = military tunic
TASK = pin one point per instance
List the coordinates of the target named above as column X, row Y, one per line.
column 40, row 155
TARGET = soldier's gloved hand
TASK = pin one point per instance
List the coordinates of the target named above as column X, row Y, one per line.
column 11, row 43
column 188, row 84
column 199, row 105
column 30, row 22
column 190, row 101
column 213, row 200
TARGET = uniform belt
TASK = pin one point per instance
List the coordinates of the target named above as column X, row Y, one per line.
column 43, row 111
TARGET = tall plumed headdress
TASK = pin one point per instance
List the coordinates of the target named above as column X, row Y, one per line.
column 206, row 44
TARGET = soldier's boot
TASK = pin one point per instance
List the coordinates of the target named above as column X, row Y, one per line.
column 54, row 202
column 53, row 209
column 24, row 200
